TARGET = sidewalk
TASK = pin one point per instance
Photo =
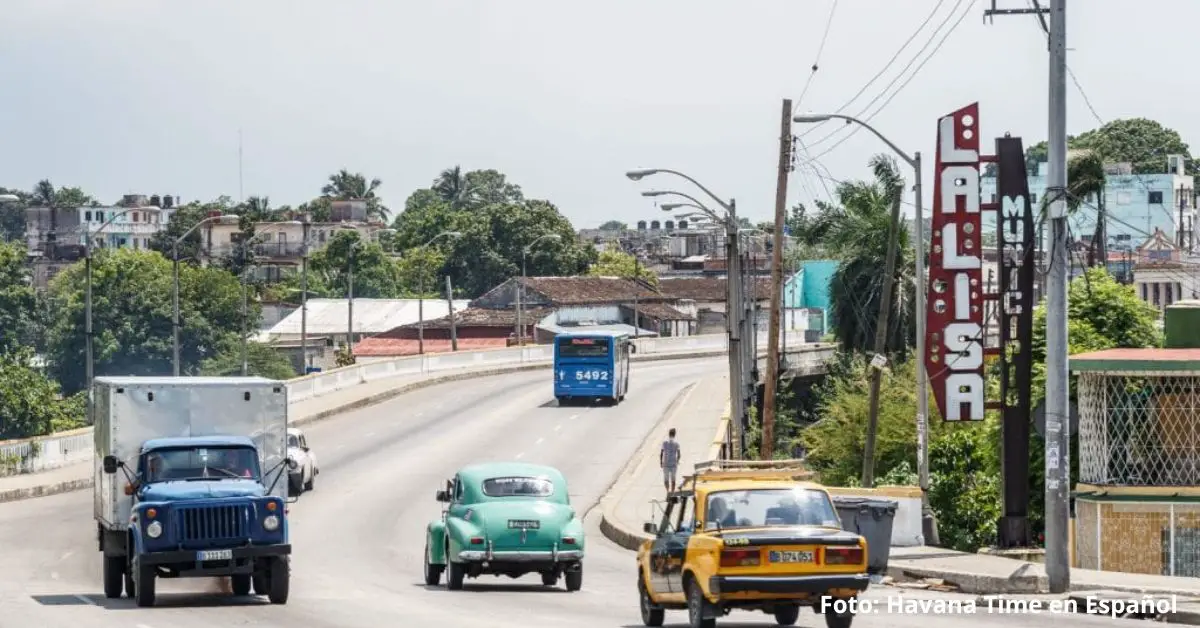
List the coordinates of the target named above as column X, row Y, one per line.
column 695, row 417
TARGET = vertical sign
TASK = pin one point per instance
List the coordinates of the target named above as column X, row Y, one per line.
column 1014, row 219
column 954, row 316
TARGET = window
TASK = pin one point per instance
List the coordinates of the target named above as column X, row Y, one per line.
column 135, row 217
column 1157, row 299
column 518, row 487
column 770, row 507
column 87, row 216
column 293, row 440
column 1156, row 198
column 99, row 216
column 1033, row 199
column 687, row 516
column 200, row 463
column 583, row 347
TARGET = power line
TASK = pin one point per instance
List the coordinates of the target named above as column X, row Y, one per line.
column 858, row 127
column 820, row 49
column 882, row 70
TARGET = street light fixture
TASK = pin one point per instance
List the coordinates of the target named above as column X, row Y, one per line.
column 521, row 288
column 224, row 219
column 913, row 161
column 454, row 235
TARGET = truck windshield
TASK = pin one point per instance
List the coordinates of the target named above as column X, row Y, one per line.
column 769, row 507
column 200, row 463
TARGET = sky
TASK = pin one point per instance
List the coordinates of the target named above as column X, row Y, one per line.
column 150, row 97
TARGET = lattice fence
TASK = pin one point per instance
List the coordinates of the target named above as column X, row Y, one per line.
column 1139, row 428
column 1161, row 538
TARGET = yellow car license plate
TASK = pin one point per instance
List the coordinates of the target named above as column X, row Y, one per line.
column 790, row 557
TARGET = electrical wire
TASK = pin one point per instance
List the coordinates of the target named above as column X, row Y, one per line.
column 820, row 49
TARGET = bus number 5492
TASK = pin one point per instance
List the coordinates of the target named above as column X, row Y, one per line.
column 591, row 375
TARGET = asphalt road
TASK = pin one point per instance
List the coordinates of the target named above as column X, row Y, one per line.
column 359, row 536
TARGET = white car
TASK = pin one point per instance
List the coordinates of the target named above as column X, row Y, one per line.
column 305, row 470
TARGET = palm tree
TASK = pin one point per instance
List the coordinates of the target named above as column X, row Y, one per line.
column 858, row 230
column 347, row 186
column 454, row 188
column 44, row 194
column 1085, row 179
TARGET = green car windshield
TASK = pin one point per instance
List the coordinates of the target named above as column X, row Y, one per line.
column 518, row 487
column 191, row 464
column 769, row 507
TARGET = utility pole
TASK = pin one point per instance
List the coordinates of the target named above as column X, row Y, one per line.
column 1058, row 434
column 304, row 300
column 881, row 334
column 450, row 304
column 767, row 450
column 734, row 314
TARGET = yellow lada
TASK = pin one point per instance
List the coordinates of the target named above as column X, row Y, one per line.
column 750, row 536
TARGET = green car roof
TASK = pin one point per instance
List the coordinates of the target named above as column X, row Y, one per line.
column 473, row 476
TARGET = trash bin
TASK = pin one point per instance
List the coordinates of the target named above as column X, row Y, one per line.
column 872, row 519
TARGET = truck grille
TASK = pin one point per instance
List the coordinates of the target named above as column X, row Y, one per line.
column 214, row 524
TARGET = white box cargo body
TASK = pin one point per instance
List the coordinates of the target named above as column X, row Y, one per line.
column 132, row 410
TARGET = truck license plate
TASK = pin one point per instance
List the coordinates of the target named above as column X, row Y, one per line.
column 791, row 557
column 214, row 555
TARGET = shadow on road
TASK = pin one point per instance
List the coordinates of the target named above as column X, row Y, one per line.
column 162, row 600
column 470, row 587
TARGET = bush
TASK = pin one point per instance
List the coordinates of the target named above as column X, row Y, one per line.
column 32, row 404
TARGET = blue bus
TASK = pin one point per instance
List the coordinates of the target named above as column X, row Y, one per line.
column 591, row 365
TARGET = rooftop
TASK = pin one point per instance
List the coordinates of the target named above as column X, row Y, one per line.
column 371, row 316
column 383, row 346
column 484, row 317
column 585, row 290
column 1143, row 360
column 706, row 288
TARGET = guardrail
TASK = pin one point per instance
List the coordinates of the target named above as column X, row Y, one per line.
column 55, row 450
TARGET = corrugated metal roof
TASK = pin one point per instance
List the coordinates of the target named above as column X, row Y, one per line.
column 621, row 327
column 371, row 316
column 379, row 346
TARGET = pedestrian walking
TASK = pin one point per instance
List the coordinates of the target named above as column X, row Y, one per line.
column 668, row 459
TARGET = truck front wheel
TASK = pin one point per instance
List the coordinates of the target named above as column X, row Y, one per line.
column 240, row 584
column 280, row 577
column 144, row 589
column 114, row 576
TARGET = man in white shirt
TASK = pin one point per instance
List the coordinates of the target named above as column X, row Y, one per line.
column 668, row 459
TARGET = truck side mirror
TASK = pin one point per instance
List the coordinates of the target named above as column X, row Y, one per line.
column 110, row 464
column 650, row 528
column 443, row 496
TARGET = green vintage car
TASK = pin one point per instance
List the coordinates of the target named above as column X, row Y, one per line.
column 506, row 519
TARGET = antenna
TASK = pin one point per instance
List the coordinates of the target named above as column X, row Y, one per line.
column 241, row 189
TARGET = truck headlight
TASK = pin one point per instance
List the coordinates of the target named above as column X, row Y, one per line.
column 154, row 530
column 271, row 523
column 293, row 465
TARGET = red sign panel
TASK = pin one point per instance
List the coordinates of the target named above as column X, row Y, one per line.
column 954, row 312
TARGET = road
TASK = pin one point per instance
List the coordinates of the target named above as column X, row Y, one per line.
column 359, row 536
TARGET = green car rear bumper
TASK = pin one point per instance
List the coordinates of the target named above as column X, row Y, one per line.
column 521, row 556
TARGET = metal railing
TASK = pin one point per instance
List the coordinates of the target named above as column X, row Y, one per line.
column 55, row 450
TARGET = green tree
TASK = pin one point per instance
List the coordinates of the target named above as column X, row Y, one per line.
column 375, row 271
column 859, row 230
column 18, row 300
column 262, row 360
column 612, row 263
column 30, row 403
column 1140, row 141
column 346, row 186
column 186, row 217
column 132, row 316
column 12, row 215
column 614, row 225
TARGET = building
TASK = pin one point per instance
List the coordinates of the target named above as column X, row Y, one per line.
column 1137, row 204
column 709, row 294
column 550, row 305
column 1162, row 274
column 279, row 246
column 56, row 237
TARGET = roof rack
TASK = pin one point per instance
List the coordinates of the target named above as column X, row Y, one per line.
column 792, row 469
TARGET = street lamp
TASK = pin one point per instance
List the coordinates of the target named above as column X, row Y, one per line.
column 224, row 219
column 87, row 298
column 737, row 323
column 521, row 288
column 354, row 247
column 913, row 161
column 421, row 289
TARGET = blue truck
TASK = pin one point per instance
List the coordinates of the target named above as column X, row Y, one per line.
column 191, row 481
column 590, row 365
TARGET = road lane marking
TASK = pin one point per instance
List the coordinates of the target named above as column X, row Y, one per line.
column 558, row 427
column 520, row 455
column 573, row 417
column 369, row 434
column 54, row 575
column 65, row 556
column 539, row 441
column 85, row 599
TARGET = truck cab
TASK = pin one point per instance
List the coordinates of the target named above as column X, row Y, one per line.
column 209, row 503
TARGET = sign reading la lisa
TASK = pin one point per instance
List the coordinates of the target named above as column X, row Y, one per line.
column 954, row 312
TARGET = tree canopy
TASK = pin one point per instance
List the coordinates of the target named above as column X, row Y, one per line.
column 30, row 403
column 619, row 264
column 1142, row 142
column 18, row 300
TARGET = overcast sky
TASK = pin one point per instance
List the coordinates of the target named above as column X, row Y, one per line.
column 144, row 96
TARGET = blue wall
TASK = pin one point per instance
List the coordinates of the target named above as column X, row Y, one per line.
column 809, row 288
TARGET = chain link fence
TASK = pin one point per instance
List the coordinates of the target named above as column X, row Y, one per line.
column 1160, row 538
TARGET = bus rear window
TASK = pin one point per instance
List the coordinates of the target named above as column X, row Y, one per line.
column 583, row 347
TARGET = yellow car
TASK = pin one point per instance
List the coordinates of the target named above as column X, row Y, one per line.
column 759, row 539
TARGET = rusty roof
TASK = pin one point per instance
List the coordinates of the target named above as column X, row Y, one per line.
column 484, row 317
column 587, row 289
column 380, row 346
column 707, row 288
column 662, row 312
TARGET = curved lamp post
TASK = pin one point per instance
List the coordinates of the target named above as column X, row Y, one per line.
column 521, row 288
column 176, row 323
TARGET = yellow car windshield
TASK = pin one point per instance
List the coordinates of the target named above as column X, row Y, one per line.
column 769, row 507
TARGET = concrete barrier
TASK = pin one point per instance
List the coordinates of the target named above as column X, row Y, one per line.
column 49, row 452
